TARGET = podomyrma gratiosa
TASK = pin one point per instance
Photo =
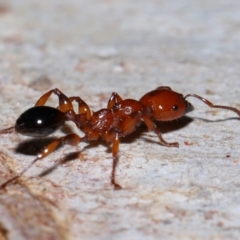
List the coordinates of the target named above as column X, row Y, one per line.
column 119, row 119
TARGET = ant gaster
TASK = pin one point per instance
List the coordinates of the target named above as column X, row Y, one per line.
column 119, row 119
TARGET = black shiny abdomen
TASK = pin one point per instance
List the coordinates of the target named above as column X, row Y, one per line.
column 39, row 121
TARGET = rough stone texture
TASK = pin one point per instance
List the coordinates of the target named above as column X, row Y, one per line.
column 91, row 48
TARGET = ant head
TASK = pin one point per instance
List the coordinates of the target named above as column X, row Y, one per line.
column 39, row 121
column 163, row 104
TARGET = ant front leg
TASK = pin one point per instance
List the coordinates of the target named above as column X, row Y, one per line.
column 70, row 139
column 64, row 102
column 115, row 98
column 152, row 127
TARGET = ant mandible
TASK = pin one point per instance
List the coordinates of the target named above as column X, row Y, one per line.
column 119, row 119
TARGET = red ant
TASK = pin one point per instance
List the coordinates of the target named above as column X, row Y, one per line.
column 119, row 119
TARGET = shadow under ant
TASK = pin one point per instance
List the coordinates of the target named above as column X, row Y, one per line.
column 35, row 145
column 217, row 120
column 174, row 125
column 67, row 158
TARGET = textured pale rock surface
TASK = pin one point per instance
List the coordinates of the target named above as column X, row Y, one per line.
column 92, row 48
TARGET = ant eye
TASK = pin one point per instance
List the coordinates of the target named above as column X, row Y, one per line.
column 175, row 108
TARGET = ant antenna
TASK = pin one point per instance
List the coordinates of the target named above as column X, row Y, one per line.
column 212, row 105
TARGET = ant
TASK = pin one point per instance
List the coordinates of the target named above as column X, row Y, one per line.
column 119, row 119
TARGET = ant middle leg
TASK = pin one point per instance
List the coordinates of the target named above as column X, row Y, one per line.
column 115, row 148
column 115, row 98
column 113, row 137
column 83, row 108
column 127, row 126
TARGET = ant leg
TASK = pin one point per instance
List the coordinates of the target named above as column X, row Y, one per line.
column 164, row 87
column 112, row 136
column 64, row 102
column 83, row 108
column 7, row 130
column 127, row 126
column 115, row 98
column 70, row 139
column 115, row 148
column 152, row 127
column 212, row 105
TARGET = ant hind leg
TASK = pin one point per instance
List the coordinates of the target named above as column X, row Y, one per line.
column 70, row 139
column 64, row 102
